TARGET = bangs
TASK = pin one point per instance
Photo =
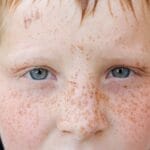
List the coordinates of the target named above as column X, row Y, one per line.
column 125, row 4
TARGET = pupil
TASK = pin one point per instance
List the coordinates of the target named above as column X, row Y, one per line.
column 39, row 71
column 120, row 71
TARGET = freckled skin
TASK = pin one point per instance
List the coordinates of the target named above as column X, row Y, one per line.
column 79, row 107
column 35, row 15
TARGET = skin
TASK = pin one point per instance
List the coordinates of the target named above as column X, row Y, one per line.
column 80, row 106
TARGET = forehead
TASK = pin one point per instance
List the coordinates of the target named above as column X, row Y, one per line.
column 61, row 20
column 69, row 9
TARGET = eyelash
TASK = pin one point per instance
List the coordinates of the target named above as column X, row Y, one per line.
column 51, row 74
column 133, row 71
column 112, row 70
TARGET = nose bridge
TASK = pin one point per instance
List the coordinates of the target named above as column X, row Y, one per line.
column 83, row 95
column 86, row 100
column 82, row 114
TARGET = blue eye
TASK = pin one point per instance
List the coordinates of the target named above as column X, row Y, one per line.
column 39, row 73
column 121, row 72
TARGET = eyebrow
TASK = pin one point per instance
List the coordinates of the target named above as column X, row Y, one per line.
column 118, row 54
column 27, row 57
column 45, row 61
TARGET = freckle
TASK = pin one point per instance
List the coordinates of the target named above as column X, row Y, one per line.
column 35, row 15
column 28, row 105
column 125, row 86
column 91, row 39
column 91, row 96
column 132, row 118
column 83, row 87
column 88, row 57
column 80, row 48
column 101, row 96
column 138, row 64
column 73, row 49
column 20, row 112
column 98, row 37
column 73, row 83
column 133, row 95
column 27, row 22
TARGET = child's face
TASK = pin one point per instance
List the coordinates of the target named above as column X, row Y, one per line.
column 93, row 92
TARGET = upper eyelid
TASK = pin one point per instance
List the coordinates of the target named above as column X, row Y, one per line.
column 52, row 71
column 134, row 69
column 24, row 70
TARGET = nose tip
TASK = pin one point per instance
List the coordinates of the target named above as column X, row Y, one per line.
column 83, row 128
column 89, row 129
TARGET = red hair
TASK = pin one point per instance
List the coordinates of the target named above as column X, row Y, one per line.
column 82, row 3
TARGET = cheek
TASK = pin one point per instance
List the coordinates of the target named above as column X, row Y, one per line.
column 25, row 118
column 131, row 114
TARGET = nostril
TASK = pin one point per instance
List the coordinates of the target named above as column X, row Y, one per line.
column 65, row 131
column 63, row 127
column 98, row 132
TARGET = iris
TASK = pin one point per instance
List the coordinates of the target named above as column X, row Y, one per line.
column 120, row 72
column 39, row 73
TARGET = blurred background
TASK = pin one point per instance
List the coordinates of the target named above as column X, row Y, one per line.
column 1, row 145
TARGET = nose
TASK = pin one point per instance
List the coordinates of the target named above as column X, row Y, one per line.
column 82, row 113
